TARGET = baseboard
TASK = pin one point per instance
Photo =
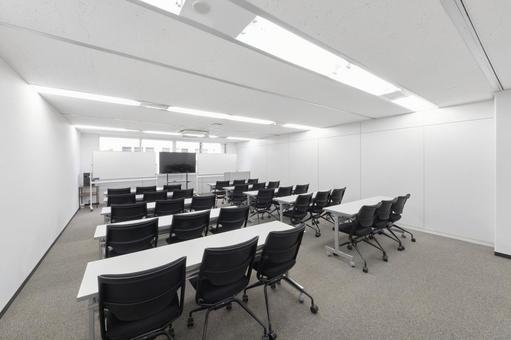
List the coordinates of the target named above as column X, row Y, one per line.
column 507, row 256
column 20, row 288
column 454, row 237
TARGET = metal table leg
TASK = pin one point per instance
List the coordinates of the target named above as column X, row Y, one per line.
column 93, row 306
column 336, row 250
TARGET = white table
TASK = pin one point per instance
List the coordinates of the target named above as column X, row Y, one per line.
column 155, row 257
column 139, row 197
column 133, row 191
column 105, row 211
column 287, row 201
column 164, row 223
column 346, row 211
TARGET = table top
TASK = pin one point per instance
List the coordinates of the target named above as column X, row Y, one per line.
column 139, row 197
column 254, row 192
column 133, row 190
column 150, row 206
column 164, row 222
column 231, row 187
column 151, row 258
column 352, row 208
column 291, row 198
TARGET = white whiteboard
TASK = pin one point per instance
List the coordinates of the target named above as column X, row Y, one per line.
column 216, row 163
column 118, row 164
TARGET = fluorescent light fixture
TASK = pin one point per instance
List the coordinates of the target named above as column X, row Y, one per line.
column 278, row 41
column 172, row 6
column 162, row 133
column 85, row 95
column 198, row 135
column 414, row 103
column 211, row 114
column 102, row 128
column 240, row 138
column 299, row 127
column 212, row 136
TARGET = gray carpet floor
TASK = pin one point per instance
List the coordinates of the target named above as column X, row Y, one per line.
column 438, row 288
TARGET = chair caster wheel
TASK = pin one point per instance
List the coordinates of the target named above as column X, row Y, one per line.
column 272, row 286
column 189, row 323
column 314, row 309
column 273, row 336
column 229, row 306
column 300, row 298
column 403, row 235
column 413, row 239
column 244, row 298
column 172, row 333
column 352, row 264
column 349, row 246
column 400, row 248
column 365, row 270
column 318, row 234
column 385, row 258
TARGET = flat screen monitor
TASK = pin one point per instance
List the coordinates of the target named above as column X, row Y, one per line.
column 177, row 162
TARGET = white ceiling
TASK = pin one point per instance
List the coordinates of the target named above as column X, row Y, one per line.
column 120, row 48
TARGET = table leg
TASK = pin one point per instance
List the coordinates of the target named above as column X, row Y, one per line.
column 93, row 305
column 101, row 247
column 281, row 211
column 249, row 198
column 336, row 250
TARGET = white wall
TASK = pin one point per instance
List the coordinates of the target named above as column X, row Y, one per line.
column 39, row 171
column 444, row 158
column 503, row 172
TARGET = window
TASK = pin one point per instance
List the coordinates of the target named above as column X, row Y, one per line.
column 187, row 146
column 118, row 144
column 156, row 145
column 212, row 148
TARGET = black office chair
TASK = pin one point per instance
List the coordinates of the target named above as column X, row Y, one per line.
column 169, row 207
column 121, row 199
column 281, row 192
column 301, row 189
column 141, row 190
column 382, row 222
column 223, row 274
column 258, row 186
column 188, row 226
column 262, row 203
column 172, row 187
column 127, row 212
column 252, row 180
column 142, row 305
column 203, row 202
column 118, row 191
column 273, row 184
column 238, row 181
column 336, row 196
column 184, row 193
column 319, row 202
column 231, row 219
column 219, row 189
column 238, row 197
column 298, row 213
column 128, row 238
column 397, row 211
column 277, row 259
column 153, row 196
column 360, row 229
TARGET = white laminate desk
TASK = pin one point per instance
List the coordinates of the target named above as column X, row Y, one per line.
column 346, row 211
column 139, row 197
column 150, row 206
column 151, row 258
column 133, row 191
column 286, row 201
column 164, row 223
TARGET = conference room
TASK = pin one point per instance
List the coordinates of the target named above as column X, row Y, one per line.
column 247, row 169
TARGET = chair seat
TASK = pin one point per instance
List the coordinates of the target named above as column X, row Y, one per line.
column 395, row 217
column 353, row 228
column 275, row 270
column 212, row 294
column 118, row 329
column 316, row 210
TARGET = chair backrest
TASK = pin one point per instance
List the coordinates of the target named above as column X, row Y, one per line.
column 172, row 187
column 336, row 196
column 258, row 186
column 321, row 199
column 152, row 196
column 301, row 189
column 220, row 185
column 284, row 191
column 169, row 207
column 184, row 193
column 397, row 208
column 264, row 198
column 189, row 226
column 127, row 212
column 238, row 181
column 131, row 298
column 232, row 218
column 128, row 238
column 301, row 208
column 240, row 188
column 273, row 184
column 238, row 195
column 203, row 202
column 141, row 190
column 382, row 214
column 118, row 191
column 225, row 271
column 253, row 180
column 280, row 252
column 121, row 199
column 366, row 215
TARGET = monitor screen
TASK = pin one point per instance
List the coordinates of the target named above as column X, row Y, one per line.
column 177, row 162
